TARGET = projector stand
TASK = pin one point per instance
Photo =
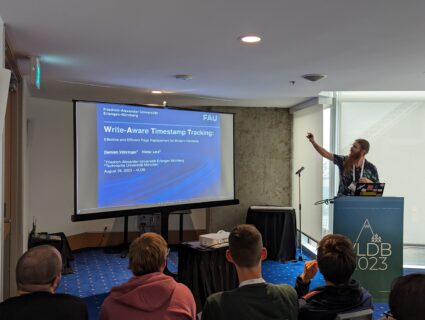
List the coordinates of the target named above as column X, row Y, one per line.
column 165, row 214
column 164, row 232
column 123, row 247
column 124, row 252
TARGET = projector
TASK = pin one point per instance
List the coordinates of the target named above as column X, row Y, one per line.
column 219, row 239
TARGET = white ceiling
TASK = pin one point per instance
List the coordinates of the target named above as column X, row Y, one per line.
column 138, row 45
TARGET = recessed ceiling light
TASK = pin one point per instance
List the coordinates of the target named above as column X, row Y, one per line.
column 250, row 39
column 183, row 76
column 313, row 76
column 156, row 92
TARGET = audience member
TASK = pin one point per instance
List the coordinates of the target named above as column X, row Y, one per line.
column 254, row 299
column 407, row 298
column 38, row 274
column 150, row 294
column 336, row 260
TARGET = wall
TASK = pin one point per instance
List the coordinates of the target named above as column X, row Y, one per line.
column 262, row 163
column 2, row 43
column 304, row 155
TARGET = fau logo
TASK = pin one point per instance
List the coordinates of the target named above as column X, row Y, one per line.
column 209, row 117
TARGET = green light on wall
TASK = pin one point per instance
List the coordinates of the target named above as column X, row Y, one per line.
column 35, row 72
column 38, row 75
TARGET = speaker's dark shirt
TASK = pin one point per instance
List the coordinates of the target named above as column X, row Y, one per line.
column 346, row 178
column 45, row 306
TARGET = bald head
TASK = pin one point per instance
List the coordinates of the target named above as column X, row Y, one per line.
column 39, row 269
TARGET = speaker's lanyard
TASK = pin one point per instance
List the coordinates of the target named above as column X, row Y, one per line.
column 361, row 172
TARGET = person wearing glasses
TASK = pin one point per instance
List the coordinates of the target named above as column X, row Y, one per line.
column 407, row 298
column 149, row 294
column 353, row 168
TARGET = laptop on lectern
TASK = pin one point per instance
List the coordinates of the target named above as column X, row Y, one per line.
column 370, row 189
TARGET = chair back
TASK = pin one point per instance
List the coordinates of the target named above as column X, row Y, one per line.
column 366, row 314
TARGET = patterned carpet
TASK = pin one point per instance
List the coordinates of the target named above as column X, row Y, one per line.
column 96, row 272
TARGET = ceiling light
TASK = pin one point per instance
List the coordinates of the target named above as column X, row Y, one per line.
column 156, row 92
column 250, row 39
column 313, row 76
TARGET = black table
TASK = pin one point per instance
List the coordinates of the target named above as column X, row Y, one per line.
column 278, row 229
column 205, row 271
column 57, row 240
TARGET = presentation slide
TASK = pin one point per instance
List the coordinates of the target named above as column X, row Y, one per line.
column 137, row 157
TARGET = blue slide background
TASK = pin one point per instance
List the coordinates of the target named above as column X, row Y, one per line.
column 199, row 177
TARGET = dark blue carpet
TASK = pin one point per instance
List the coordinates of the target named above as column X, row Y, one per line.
column 96, row 272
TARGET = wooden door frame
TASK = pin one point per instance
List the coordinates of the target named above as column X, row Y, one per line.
column 16, row 174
